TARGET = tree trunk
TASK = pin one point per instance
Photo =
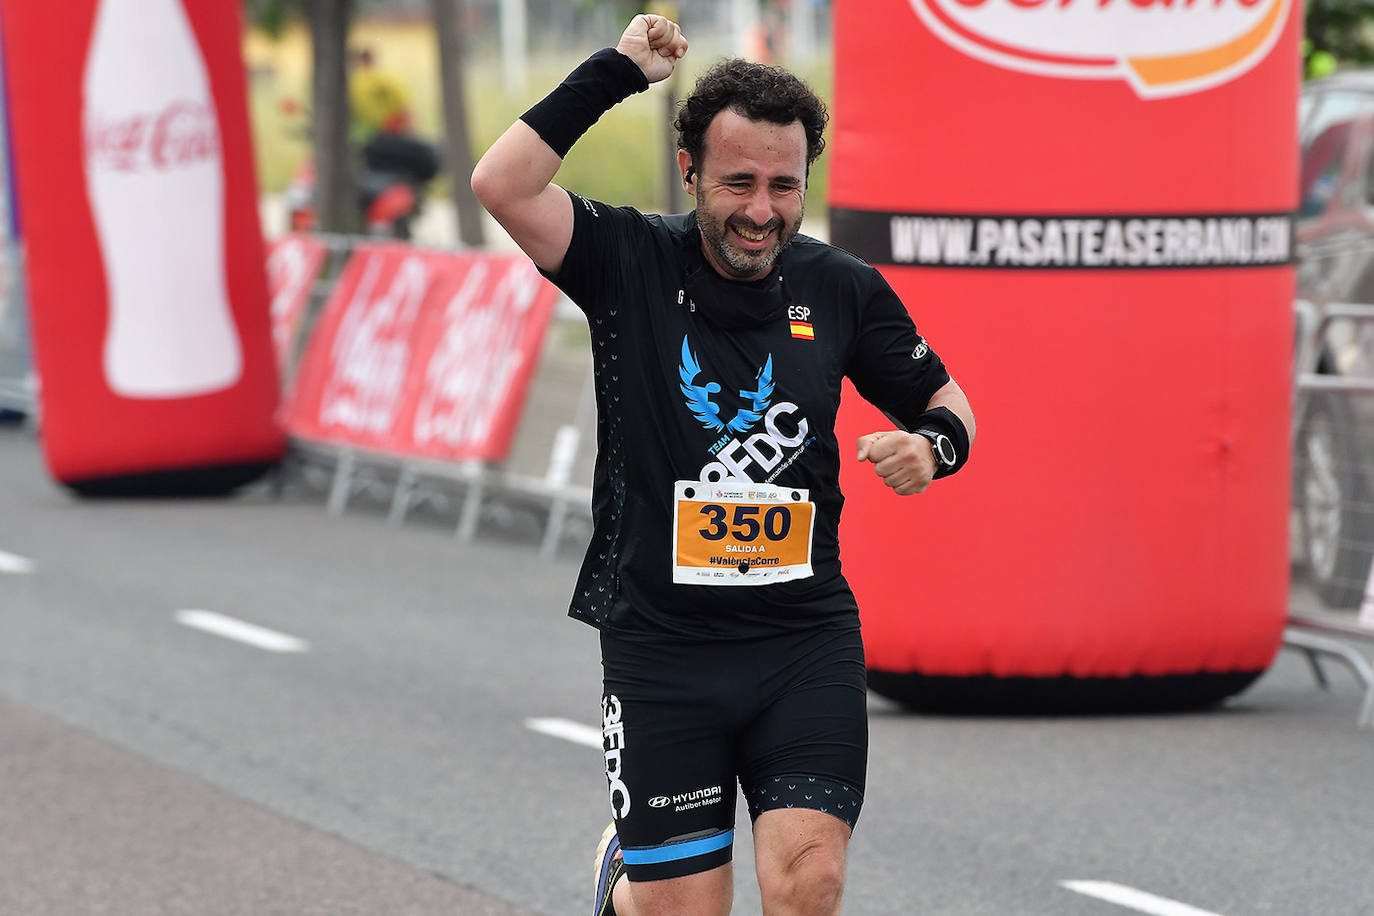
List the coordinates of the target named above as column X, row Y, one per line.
column 335, row 205
column 673, row 200
column 458, row 155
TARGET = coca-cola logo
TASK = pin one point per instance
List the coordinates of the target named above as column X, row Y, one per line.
column 1159, row 47
column 370, row 354
column 469, row 376
column 182, row 134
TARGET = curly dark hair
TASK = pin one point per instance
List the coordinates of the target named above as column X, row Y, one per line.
column 759, row 93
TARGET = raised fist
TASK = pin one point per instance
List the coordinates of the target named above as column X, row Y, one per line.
column 654, row 43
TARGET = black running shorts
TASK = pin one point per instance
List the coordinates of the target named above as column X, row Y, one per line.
column 784, row 715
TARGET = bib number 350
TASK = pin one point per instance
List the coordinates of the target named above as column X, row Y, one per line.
column 730, row 533
column 745, row 524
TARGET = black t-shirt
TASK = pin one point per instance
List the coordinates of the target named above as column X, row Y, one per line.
column 702, row 379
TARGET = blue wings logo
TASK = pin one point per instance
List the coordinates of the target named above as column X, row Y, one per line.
column 707, row 411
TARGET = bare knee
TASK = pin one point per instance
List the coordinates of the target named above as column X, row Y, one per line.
column 814, row 866
column 801, row 869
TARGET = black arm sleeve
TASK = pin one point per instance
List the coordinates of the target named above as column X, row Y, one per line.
column 594, row 88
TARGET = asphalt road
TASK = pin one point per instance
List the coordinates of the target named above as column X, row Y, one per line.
column 379, row 755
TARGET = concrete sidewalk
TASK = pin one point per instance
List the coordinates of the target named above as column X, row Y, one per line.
column 87, row 827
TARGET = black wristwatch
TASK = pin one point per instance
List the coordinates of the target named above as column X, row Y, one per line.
column 942, row 447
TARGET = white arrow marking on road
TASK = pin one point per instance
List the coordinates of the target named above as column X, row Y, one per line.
column 243, row 632
column 568, row 730
column 1133, row 899
column 14, row 563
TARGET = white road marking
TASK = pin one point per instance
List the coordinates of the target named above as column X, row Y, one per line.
column 243, row 632
column 568, row 730
column 1134, row 899
column 14, row 563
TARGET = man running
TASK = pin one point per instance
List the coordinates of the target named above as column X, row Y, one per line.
column 730, row 640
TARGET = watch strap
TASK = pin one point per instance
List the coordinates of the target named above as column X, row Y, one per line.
column 942, row 420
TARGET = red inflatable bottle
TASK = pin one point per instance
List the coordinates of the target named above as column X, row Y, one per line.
column 144, row 255
column 1087, row 205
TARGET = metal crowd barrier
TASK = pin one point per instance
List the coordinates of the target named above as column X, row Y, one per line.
column 471, row 487
column 19, row 395
column 18, row 385
column 339, row 247
column 548, row 472
column 1333, row 490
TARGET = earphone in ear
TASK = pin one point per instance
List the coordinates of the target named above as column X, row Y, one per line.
column 690, row 175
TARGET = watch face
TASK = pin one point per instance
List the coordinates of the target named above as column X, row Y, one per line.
column 944, row 450
column 942, row 447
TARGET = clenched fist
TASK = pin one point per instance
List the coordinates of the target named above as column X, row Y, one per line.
column 905, row 461
column 654, row 43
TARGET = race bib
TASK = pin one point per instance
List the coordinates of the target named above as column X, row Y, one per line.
column 740, row 533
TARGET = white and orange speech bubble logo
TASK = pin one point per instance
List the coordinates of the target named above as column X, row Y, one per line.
column 1160, row 47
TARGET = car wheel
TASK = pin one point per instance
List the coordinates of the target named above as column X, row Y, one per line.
column 1333, row 497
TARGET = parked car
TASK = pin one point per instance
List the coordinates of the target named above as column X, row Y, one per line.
column 1333, row 458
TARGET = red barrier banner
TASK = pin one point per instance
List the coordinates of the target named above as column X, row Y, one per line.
column 148, row 296
column 352, row 379
column 478, row 350
column 421, row 354
column 1088, row 206
column 293, row 265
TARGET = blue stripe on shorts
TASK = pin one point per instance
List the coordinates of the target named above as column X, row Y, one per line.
column 672, row 852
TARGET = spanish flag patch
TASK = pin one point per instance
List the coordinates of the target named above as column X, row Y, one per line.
column 802, row 330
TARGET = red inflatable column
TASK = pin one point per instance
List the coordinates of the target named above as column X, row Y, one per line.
column 1087, row 204
column 145, row 260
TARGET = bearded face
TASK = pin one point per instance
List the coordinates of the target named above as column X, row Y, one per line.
column 751, row 193
column 739, row 248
